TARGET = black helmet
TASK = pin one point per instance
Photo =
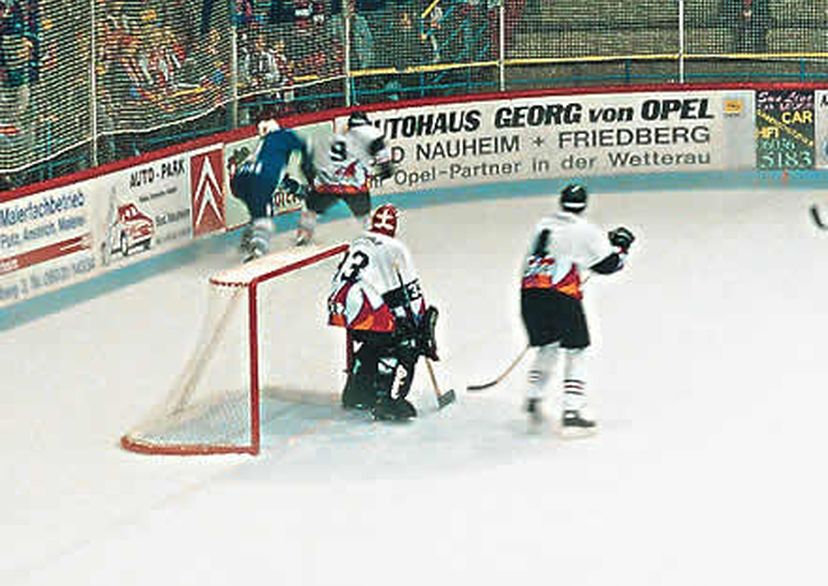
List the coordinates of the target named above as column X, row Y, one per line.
column 358, row 119
column 574, row 198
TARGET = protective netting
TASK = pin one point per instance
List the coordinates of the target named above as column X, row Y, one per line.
column 253, row 362
column 89, row 81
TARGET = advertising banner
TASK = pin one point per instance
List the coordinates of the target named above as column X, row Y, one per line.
column 785, row 129
column 148, row 208
column 54, row 238
column 821, row 128
column 568, row 136
column 46, row 241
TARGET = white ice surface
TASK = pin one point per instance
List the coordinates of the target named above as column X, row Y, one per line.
column 708, row 379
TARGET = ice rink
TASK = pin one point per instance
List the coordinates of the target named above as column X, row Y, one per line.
column 707, row 378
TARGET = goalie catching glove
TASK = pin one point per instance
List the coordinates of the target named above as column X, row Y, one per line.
column 622, row 238
column 420, row 333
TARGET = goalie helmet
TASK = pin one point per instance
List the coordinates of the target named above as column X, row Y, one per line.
column 358, row 119
column 384, row 220
column 574, row 198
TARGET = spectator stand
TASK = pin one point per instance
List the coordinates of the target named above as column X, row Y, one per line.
column 84, row 82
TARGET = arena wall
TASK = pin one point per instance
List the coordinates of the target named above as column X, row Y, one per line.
column 82, row 226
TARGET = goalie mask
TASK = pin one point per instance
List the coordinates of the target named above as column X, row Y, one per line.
column 384, row 220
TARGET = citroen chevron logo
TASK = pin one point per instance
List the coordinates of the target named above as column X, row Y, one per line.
column 207, row 197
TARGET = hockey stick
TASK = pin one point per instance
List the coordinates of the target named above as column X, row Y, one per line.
column 817, row 218
column 512, row 366
column 449, row 396
column 443, row 399
column 505, row 373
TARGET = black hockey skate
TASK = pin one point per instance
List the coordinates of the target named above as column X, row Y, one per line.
column 573, row 424
column 536, row 418
column 387, row 409
column 355, row 398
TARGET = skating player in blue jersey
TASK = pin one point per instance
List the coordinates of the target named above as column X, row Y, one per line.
column 259, row 175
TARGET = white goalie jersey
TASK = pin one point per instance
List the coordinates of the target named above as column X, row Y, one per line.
column 564, row 246
column 343, row 162
column 375, row 286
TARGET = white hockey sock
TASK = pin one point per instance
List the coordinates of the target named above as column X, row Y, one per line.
column 574, row 397
column 307, row 223
column 541, row 370
column 262, row 231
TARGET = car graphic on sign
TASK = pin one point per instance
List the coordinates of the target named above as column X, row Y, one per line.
column 131, row 228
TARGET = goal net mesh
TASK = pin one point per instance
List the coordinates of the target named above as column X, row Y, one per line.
column 264, row 349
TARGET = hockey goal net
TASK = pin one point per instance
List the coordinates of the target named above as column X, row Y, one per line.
column 264, row 346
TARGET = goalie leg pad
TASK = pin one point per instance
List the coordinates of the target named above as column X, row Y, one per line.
column 384, row 369
column 360, row 388
column 394, row 379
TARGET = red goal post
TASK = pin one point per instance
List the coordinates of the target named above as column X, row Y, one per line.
column 268, row 314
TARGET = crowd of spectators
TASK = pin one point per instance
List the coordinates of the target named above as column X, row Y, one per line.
column 19, row 60
column 168, row 64
column 749, row 19
column 160, row 61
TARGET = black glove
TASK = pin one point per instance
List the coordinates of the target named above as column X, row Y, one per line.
column 622, row 238
column 292, row 186
column 405, row 329
column 386, row 170
column 427, row 339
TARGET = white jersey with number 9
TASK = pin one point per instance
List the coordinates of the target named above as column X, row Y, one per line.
column 343, row 162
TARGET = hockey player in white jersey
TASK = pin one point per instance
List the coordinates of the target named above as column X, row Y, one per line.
column 376, row 296
column 343, row 165
column 564, row 247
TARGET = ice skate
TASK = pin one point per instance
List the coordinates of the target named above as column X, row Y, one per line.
column 535, row 413
column 256, row 240
column 387, row 409
column 355, row 397
column 574, row 424
column 306, row 227
column 252, row 254
column 245, row 244
column 303, row 237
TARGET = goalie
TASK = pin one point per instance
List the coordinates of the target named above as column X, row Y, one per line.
column 255, row 179
column 376, row 296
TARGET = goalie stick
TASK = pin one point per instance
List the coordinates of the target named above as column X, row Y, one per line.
column 503, row 375
column 443, row 399
column 449, row 396
column 817, row 218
